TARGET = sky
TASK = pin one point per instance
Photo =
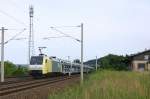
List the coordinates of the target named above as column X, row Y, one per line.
column 110, row 26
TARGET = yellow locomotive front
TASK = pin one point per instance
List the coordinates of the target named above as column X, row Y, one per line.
column 40, row 65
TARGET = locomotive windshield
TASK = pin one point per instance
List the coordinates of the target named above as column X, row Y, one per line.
column 36, row 60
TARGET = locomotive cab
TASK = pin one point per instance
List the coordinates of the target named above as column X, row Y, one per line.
column 35, row 66
column 40, row 65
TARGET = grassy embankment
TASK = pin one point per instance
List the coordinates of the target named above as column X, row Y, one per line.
column 109, row 85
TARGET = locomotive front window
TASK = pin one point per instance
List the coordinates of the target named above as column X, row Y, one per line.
column 36, row 60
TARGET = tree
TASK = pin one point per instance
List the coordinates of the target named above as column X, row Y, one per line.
column 111, row 61
column 11, row 69
column 114, row 62
column 20, row 71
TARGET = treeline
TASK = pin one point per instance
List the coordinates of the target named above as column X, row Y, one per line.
column 13, row 70
column 112, row 62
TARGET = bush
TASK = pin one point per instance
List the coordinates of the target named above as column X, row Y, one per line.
column 20, row 71
column 11, row 69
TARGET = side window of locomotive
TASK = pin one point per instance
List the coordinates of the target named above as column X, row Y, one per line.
column 46, row 61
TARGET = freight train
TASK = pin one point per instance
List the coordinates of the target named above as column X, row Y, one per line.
column 43, row 65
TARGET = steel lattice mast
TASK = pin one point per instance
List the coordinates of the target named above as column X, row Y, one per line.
column 31, row 34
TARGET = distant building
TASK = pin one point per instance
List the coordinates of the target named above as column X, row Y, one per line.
column 140, row 61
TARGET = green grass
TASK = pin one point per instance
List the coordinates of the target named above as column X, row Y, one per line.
column 109, row 85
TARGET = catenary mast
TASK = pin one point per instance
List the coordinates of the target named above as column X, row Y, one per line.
column 31, row 34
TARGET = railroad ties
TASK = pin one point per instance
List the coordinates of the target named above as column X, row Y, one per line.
column 11, row 87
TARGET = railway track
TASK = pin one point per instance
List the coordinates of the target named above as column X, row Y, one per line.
column 17, row 87
column 10, row 80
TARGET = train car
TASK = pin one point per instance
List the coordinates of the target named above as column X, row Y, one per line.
column 43, row 65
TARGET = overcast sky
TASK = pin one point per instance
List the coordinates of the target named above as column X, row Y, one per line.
column 110, row 26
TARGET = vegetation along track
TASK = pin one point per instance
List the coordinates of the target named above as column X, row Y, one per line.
column 12, row 88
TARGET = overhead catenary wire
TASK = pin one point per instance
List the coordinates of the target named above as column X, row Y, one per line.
column 14, row 36
column 13, row 18
column 20, row 38
column 67, row 35
column 16, row 29
column 21, row 9
column 66, row 26
column 15, row 5
column 54, row 37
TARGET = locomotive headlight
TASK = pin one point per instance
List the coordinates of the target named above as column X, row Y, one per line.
column 35, row 67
